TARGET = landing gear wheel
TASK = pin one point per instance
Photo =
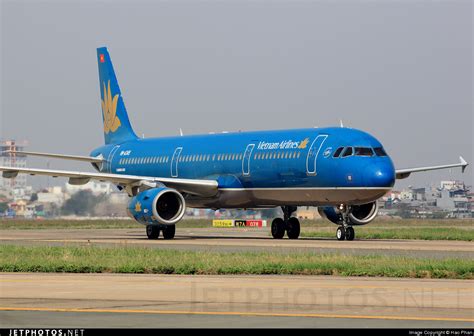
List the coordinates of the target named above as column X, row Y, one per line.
column 278, row 228
column 293, row 228
column 152, row 231
column 169, row 231
column 341, row 233
column 350, row 233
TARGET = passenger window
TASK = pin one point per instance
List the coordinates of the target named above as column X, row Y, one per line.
column 363, row 151
column 379, row 151
column 299, row 154
column 347, row 152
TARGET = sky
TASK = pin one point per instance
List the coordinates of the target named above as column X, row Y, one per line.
column 400, row 70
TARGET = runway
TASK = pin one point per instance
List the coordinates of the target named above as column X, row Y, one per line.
column 237, row 240
column 117, row 300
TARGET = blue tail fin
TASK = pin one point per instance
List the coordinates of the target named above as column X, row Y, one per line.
column 117, row 127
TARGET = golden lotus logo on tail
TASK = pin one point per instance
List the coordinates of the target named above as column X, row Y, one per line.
column 109, row 110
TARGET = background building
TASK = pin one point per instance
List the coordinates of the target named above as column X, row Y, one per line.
column 17, row 186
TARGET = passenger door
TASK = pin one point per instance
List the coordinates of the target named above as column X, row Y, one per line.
column 174, row 161
column 313, row 153
column 246, row 159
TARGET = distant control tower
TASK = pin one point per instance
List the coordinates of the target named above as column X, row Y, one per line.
column 13, row 160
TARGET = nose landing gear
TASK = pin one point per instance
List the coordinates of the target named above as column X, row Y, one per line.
column 289, row 224
column 345, row 231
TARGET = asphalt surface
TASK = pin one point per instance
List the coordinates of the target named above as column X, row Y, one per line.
column 130, row 300
column 237, row 240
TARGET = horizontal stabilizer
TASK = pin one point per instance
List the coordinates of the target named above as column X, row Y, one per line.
column 59, row 156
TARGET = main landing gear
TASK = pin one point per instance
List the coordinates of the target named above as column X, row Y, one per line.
column 345, row 231
column 289, row 224
column 153, row 231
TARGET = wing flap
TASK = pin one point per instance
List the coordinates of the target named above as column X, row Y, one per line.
column 205, row 188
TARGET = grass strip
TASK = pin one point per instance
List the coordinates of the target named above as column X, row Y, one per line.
column 92, row 259
column 401, row 233
column 21, row 224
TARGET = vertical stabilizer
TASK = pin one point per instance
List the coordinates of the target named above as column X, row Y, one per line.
column 117, row 127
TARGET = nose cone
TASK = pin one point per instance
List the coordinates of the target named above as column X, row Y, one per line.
column 380, row 174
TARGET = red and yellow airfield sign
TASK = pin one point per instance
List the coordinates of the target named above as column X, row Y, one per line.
column 239, row 223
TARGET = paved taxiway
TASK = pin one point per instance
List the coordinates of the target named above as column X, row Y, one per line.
column 235, row 240
column 117, row 300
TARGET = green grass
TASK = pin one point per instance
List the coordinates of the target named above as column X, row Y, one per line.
column 23, row 224
column 144, row 260
column 434, row 233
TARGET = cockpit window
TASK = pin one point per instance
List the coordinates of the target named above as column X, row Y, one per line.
column 338, row 152
column 347, row 152
column 363, row 151
column 379, row 151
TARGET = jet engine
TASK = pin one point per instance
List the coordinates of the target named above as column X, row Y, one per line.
column 157, row 206
column 358, row 214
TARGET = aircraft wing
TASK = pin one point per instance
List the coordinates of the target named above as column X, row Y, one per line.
column 404, row 173
column 59, row 156
column 205, row 188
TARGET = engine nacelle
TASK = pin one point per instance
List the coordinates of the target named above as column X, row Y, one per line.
column 358, row 214
column 157, row 206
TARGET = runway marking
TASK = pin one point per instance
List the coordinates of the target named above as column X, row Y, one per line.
column 218, row 313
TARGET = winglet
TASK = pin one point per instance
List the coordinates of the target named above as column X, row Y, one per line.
column 464, row 163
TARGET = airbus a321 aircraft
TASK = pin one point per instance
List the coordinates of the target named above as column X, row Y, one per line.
column 340, row 170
